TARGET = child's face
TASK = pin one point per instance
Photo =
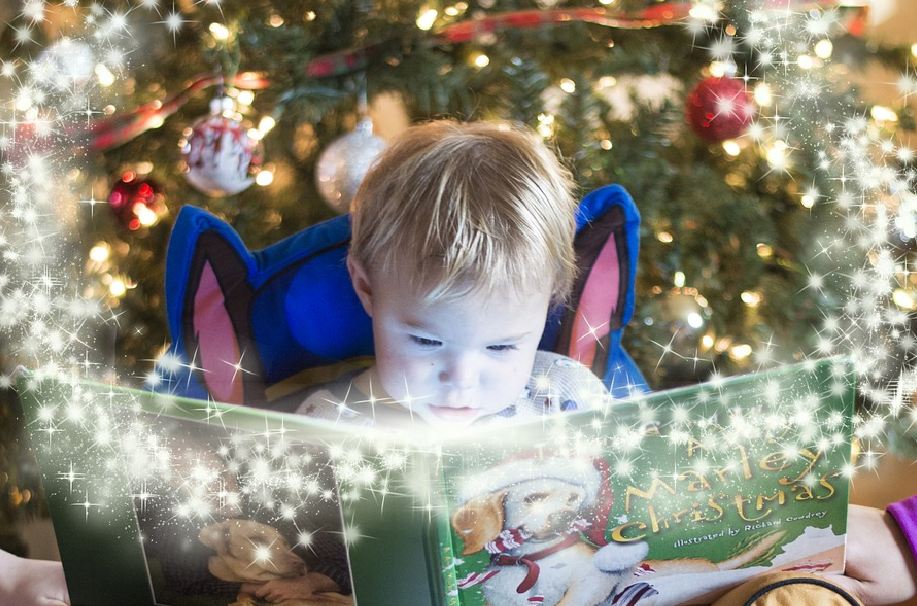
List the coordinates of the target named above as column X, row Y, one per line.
column 452, row 362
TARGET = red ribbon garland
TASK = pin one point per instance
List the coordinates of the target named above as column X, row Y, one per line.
column 342, row 62
column 117, row 130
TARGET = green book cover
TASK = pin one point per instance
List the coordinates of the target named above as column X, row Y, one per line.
column 656, row 500
column 667, row 499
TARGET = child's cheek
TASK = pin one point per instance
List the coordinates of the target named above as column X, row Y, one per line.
column 406, row 373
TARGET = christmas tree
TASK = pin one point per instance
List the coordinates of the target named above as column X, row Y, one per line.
column 731, row 124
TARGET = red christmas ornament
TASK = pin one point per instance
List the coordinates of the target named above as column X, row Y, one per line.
column 220, row 158
column 136, row 202
column 719, row 109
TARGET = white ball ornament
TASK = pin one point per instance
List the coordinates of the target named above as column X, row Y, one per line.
column 342, row 166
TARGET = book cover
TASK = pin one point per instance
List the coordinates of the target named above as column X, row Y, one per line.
column 664, row 499
column 670, row 499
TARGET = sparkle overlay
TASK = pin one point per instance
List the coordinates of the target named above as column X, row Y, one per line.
column 51, row 326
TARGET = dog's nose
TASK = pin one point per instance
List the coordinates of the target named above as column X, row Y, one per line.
column 559, row 520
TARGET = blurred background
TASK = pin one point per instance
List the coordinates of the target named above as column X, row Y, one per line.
column 739, row 267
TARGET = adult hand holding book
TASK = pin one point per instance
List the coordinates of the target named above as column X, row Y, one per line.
column 31, row 582
column 880, row 570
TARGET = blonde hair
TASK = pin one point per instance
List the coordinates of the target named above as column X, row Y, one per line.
column 462, row 208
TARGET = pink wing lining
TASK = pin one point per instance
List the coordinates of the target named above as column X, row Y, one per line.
column 218, row 348
column 597, row 305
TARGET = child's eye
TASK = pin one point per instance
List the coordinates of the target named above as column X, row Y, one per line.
column 425, row 342
column 502, row 347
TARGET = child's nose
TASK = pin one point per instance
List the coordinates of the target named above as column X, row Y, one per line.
column 460, row 373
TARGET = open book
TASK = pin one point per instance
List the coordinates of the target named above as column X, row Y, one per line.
column 667, row 498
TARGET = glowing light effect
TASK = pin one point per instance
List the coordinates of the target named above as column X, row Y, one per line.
column 864, row 174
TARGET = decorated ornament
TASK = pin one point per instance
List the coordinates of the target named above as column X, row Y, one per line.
column 220, row 158
column 340, row 168
column 136, row 202
column 719, row 109
column 626, row 95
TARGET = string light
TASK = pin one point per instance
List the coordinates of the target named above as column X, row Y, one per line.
column 904, row 299
column 426, row 18
column 568, row 86
column 607, row 81
column 824, row 48
column 763, row 95
column 245, row 97
column 264, row 178
column 880, row 113
column 704, row 12
column 545, row 125
column 104, row 75
column 480, row 60
column 751, row 298
column 805, row 62
column 777, row 156
column 266, row 124
column 740, row 352
column 145, row 215
column 731, row 147
column 117, row 288
column 219, row 31
column 100, row 252
column 23, row 99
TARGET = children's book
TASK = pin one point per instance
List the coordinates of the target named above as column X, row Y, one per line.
column 665, row 498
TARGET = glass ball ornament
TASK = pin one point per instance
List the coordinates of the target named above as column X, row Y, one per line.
column 136, row 202
column 719, row 109
column 220, row 159
column 341, row 167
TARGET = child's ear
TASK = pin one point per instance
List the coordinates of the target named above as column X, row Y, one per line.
column 359, row 278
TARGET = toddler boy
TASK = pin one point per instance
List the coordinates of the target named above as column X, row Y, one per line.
column 462, row 240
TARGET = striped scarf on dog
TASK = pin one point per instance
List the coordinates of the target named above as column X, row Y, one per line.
column 513, row 538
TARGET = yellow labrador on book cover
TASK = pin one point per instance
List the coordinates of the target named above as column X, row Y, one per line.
column 543, row 521
column 260, row 558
